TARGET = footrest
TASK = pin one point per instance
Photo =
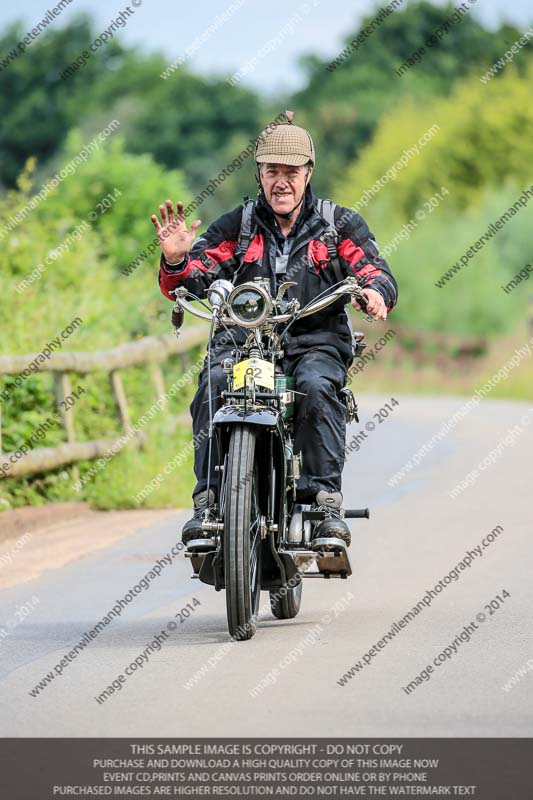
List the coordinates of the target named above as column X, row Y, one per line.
column 357, row 513
column 334, row 563
column 322, row 563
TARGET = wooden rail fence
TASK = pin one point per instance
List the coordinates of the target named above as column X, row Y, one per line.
column 425, row 347
column 421, row 346
column 151, row 351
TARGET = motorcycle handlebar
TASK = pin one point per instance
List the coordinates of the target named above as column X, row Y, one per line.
column 345, row 288
column 349, row 286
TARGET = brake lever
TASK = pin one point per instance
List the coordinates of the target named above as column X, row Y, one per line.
column 362, row 300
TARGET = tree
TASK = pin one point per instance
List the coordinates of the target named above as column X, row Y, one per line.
column 479, row 143
column 185, row 121
column 342, row 103
column 38, row 107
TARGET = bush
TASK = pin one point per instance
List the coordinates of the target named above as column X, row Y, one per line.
column 85, row 281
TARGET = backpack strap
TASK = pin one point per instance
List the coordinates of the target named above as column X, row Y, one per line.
column 326, row 209
column 246, row 234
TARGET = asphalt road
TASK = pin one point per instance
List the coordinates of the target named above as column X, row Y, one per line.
column 417, row 534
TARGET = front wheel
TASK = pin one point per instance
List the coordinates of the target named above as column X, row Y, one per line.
column 242, row 535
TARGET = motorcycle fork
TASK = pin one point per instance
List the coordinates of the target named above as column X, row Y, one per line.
column 218, row 560
column 272, row 488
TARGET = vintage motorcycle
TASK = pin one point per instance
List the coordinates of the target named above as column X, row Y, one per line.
column 257, row 536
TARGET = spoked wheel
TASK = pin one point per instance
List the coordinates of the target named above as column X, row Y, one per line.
column 242, row 536
column 286, row 604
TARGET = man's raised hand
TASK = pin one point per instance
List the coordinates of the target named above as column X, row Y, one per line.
column 174, row 238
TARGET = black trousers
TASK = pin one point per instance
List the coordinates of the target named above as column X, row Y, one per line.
column 319, row 423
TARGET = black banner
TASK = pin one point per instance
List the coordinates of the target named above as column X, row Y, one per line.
column 485, row 769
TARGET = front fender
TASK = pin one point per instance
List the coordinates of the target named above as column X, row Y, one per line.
column 232, row 415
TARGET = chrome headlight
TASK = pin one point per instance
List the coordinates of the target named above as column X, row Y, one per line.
column 249, row 305
column 219, row 291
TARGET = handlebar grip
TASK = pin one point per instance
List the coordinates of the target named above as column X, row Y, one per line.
column 357, row 513
column 177, row 317
column 363, row 302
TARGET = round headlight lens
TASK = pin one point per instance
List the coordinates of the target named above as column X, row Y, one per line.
column 248, row 307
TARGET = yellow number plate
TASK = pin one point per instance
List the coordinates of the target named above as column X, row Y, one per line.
column 261, row 371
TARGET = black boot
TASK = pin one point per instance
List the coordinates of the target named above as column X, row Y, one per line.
column 193, row 528
column 333, row 526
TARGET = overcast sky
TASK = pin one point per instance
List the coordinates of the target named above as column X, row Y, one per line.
column 301, row 26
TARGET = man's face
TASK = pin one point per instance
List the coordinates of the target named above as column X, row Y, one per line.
column 284, row 185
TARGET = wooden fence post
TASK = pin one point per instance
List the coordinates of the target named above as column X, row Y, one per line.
column 120, row 398
column 63, row 389
column 156, row 376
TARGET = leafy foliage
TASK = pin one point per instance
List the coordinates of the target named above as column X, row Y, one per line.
column 177, row 134
column 186, row 121
column 342, row 107
column 480, row 143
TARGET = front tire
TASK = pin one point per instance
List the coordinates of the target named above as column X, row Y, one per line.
column 242, row 535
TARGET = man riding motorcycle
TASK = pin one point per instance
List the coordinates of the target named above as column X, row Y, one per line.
column 285, row 240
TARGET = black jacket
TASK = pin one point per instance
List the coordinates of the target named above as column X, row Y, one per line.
column 213, row 255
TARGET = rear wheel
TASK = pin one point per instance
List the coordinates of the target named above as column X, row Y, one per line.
column 242, row 536
column 286, row 604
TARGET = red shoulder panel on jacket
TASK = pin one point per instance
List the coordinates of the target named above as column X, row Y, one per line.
column 256, row 249
column 350, row 252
